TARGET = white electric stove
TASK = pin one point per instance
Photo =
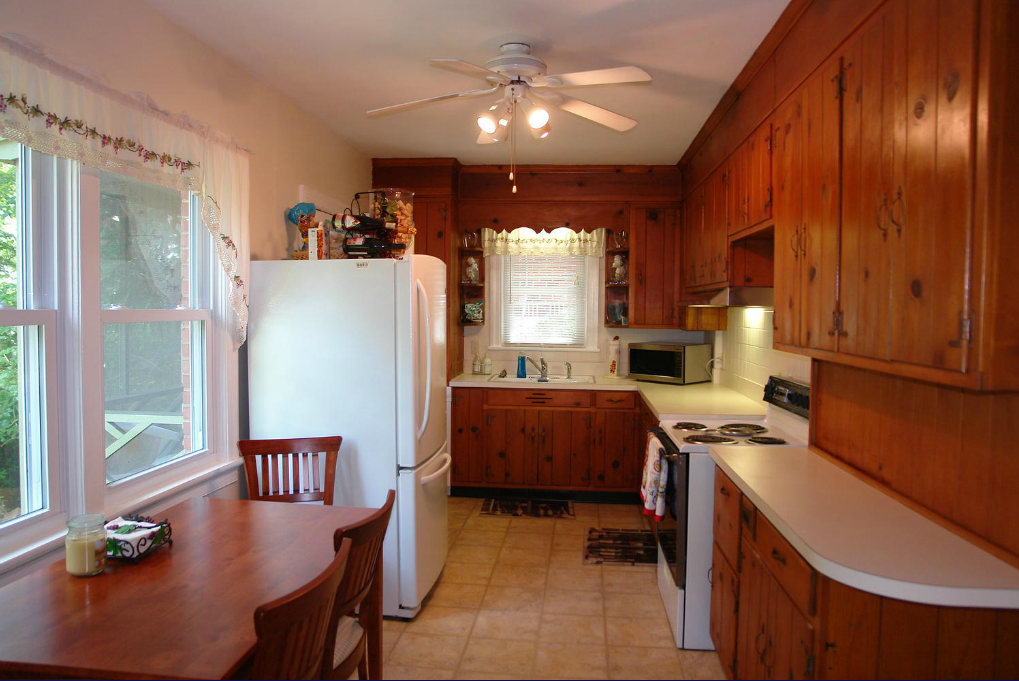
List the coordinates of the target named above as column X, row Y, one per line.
column 685, row 534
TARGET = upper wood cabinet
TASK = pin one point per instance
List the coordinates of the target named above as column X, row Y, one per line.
column 654, row 255
column 433, row 219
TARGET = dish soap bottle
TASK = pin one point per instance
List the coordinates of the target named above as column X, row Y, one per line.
column 486, row 364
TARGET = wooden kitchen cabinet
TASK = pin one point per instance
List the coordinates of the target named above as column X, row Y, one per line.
column 654, row 256
column 726, row 518
column 465, row 436
column 433, row 219
column 614, row 450
column 724, row 609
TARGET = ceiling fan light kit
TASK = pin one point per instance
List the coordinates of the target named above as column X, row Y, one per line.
column 520, row 75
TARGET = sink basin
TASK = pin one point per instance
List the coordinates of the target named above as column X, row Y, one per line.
column 551, row 379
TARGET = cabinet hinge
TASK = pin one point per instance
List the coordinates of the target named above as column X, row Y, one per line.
column 965, row 330
column 767, row 141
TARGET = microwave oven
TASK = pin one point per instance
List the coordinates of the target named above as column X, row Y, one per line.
column 670, row 362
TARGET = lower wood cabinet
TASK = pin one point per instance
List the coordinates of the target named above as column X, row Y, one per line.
column 545, row 439
column 774, row 616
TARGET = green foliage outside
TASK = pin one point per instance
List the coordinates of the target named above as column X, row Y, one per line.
column 9, row 475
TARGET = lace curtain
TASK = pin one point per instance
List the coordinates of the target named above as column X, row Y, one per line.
column 69, row 112
column 560, row 241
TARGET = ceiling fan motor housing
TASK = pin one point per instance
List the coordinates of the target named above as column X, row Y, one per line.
column 517, row 62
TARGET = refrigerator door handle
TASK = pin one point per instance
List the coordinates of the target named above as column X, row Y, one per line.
column 423, row 306
column 439, row 473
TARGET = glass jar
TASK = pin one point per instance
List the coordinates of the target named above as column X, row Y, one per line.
column 85, row 545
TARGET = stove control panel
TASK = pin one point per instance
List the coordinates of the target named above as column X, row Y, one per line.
column 789, row 395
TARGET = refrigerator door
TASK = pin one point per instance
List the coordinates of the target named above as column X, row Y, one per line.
column 422, row 530
column 420, row 359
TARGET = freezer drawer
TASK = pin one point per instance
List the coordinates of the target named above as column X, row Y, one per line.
column 423, row 539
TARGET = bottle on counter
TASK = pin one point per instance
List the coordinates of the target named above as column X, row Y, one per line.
column 486, row 364
column 521, row 367
column 614, row 357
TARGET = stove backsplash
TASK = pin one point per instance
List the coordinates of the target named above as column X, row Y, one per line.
column 748, row 358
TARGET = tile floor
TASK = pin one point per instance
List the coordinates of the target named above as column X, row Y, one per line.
column 515, row 601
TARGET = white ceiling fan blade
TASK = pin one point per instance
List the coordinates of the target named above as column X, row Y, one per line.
column 440, row 98
column 469, row 69
column 622, row 74
column 587, row 110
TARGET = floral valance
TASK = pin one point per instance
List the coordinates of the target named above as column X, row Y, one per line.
column 70, row 112
column 560, row 241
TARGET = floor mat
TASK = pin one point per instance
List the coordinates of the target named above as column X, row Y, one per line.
column 532, row 508
column 627, row 547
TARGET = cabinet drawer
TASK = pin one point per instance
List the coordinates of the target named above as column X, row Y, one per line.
column 726, row 521
column 614, row 400
column 797, row 578
column 530, row 398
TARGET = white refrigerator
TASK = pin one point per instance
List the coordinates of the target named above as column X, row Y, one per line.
column 357, row 348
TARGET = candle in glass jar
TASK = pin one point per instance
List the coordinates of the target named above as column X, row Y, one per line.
column 85, row 545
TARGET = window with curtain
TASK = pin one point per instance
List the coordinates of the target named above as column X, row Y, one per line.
column 544, row 300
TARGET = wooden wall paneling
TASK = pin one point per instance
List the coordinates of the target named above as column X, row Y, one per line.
column 966, row 643
column 909, row 640
column 500, row 215
column 787, row 173
column 932, row 240
column 847, row 646
column 575, row 184
column 821, row 207
column 423, row 176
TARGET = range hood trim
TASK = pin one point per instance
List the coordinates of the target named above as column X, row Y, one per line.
column 744, row 296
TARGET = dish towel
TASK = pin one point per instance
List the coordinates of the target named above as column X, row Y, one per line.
column 652, row 485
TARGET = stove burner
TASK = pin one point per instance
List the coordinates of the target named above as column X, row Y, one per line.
column 690, row 425
column 766, row 440
column 742, row 429
column 709, row 440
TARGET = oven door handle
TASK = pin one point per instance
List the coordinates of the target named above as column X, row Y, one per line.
column 671, row 458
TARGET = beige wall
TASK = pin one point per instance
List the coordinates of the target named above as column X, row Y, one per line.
column 138, row 50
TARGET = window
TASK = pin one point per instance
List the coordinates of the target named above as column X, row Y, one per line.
column 547, row 300
column 112, row 337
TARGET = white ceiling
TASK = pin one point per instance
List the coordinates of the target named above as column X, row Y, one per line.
column 340, row 58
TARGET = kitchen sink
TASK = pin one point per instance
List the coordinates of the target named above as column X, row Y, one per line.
column 534, row 379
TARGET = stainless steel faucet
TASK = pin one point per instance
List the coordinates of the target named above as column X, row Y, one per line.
column 542, row 370
column 569, row 370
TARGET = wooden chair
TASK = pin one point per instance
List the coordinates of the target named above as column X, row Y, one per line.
column 292, row 629
column 289, row 469
column 345, row 640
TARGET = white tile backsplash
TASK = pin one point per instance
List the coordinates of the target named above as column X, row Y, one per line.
column 747, row 354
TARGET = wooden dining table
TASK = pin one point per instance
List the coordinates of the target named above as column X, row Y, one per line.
column 185, row 611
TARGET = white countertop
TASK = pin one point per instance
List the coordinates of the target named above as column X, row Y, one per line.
column 857, row 535
column 668, row 402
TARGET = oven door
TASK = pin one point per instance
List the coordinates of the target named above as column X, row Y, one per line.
column 671, row 531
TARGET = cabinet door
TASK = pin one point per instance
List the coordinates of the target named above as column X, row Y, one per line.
column 820, row 182
column 431, row 218
column 581, row 436
column 726, row 522
column 788, row 174
column 751, row 628
column 559, row 433
column 718, row 235
column 759, row 192
column 724, row 600
column 465, row 445
column 931, row 212
column 653, row 250
column 506, row 444
column 613, row 444
column 868, row 128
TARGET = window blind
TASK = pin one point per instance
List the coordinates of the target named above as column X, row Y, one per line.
column 544, row 300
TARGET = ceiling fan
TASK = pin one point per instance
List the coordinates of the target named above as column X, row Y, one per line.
column 523, row 82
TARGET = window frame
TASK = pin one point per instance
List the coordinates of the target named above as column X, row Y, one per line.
column 495, row 267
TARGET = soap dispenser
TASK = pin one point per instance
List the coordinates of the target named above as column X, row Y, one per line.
column 486, row 364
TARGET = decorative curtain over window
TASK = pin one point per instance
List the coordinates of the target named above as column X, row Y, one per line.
column 70, row 113
column 560, row 241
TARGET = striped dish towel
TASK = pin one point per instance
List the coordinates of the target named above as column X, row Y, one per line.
column 652, row 485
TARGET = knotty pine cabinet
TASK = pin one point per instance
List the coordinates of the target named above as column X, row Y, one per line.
column 773, row 616
column 555, row 439
column 654, row 256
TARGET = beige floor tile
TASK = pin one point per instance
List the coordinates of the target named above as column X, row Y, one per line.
column 585, row 510
column 559, row 602
column 398, row 671
column 466, row 573
column 572, row 527
column 463, row 553
column 618, row 508
column 625, row 580
column 639, row 632
column 390, row 624
column 644, row 663
column 452, row 595
column 585, row 579
column 572, row 629
column 514, row 555
column 621, row 522
column 528, row 540
column 573, row 558
column 462, row 503
column 535, row 525
column 438, row 619
column 513, row 598
column 481, row 537
column 634, row 605
column 389, row 639
column 487, row 523
column 470, row 674
column 455, row 522
column 519, row 575
column 568, row 542
column 511, row 626
column 428, row 650
column 572, row 660
column 700, row 664
column 499, row 656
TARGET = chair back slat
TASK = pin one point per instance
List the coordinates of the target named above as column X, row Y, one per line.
column 363, row 566
column 292, row 630
column 291, row 469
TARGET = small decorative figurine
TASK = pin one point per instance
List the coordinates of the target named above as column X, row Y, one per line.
column 618, row 269
column 472, row 275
